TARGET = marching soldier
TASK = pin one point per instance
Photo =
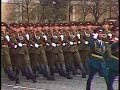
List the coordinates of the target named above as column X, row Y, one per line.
column 23, row 60
column 5, row 55
column 113, row 59
column 40, row 59
column 57, row 56
column 71, row 48
column 96, row 60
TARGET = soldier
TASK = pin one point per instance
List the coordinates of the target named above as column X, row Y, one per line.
column 113, row 59
column 96, row 60
column 70, row 40
column 38, row 40
column 23, row 60
column 5, row 55
column 57, row 56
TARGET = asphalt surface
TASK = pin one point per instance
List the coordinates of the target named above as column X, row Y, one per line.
column 61, row 83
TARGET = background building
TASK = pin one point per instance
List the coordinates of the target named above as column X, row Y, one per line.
column 59, row 10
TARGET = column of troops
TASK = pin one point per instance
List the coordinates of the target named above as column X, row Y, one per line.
column 46, row 49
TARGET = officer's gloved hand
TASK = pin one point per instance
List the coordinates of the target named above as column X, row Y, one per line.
column 7, row 37
column 20, row 44
column 53, row 44
column 78, row 35
column 15, row 46
column 27, row 35
column 36, row 45
column 71, row 43
column 95, row 35
column 45, row 37
column 86, row 42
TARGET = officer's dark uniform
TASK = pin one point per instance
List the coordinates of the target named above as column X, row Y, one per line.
column 96, row 60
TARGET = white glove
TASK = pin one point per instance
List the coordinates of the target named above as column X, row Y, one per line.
column 48, row 44
column 79, row 42
column 78, row 35
column 15, row 46
column 110, row 34
column 45, row 37
column 71, row 43
column 95, row 35
column 7, row 37
column 20, row 44
column 116, row 39
column 36, row 45
column 86, row 42
column 63, row 44
column 62, row 37
column 27, row 35
column 53, row 44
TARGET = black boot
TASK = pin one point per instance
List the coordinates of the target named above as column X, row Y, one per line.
column 52, row 72
column 17, row 81
column 63, row 70
column 68, row 72
column 74, row 72
column 11, row 74
column 45, row 70
column 31, row 75
column 82, row 70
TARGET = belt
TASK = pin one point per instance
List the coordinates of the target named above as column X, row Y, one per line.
column 97, row 56
column 58, row 44
column 41, row 44
column 24, row 44
column 4, row 45
column 75, row 43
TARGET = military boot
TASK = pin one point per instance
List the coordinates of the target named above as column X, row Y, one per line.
column 45, row 70
column 82, row 71
column 68, row 72
column 52, row 71
column 31, row 75
column 11, row 73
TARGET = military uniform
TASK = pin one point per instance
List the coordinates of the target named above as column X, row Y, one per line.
column 96, row 60
column 113, row 62
column 40, row 59
column 5, row 55
column 71, row 50
column 23, row 60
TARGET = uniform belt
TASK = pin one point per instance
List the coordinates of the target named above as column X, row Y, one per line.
column 41, row 44
column 75, row 43
column 4, row 45
column 97, row 56
column 24, row 44
column 58, row 44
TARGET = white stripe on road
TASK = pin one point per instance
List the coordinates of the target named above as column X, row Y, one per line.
column 16, row 87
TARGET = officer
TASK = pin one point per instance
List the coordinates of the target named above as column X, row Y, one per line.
column 5, row 55
column 113, row 60
column 96, row 60
column 23, row 59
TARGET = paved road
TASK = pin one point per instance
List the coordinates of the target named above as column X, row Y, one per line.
column 61, row 83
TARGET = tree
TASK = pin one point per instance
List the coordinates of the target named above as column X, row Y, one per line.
column 97, row 8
